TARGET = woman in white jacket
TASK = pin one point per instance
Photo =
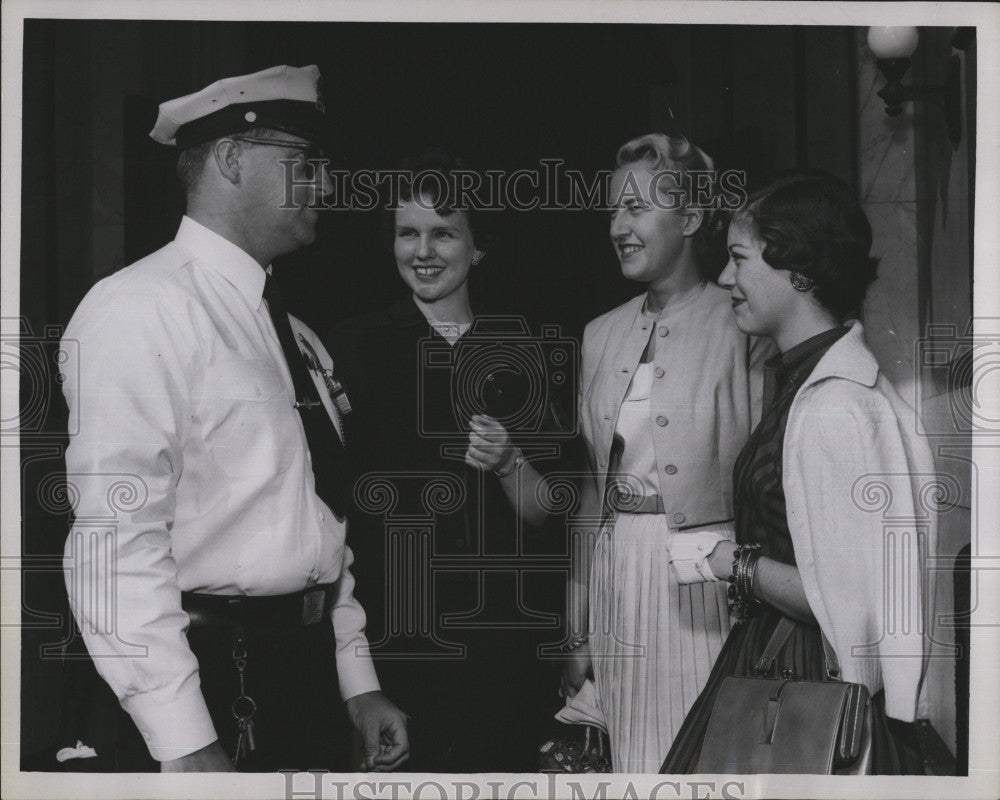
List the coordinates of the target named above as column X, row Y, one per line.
column 811, row 545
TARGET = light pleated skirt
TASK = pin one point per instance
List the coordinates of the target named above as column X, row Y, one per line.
column 653, row 641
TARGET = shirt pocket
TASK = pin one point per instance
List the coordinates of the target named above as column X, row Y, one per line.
column 242, row 380
column 248, row 424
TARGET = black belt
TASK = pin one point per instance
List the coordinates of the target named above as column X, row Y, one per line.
column 307, row 607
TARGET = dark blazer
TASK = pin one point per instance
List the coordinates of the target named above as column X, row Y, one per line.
column 459, row 594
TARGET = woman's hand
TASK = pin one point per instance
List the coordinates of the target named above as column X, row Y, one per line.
column 576, row 669
column 720, row 560
column 490, row 447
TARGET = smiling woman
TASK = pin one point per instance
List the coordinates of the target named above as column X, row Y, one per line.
column 434, row 253
column 810, row 564
column 661, row 455
column 456, row 632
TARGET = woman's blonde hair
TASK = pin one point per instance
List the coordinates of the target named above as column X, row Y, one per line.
column 660, row 152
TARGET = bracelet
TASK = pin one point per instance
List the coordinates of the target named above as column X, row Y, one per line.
column 741, row 580
column 517, row 463
column 575, row 643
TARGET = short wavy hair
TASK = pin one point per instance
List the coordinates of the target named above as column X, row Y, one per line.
column 662, row 152
column 813, row 223
column 432, row 174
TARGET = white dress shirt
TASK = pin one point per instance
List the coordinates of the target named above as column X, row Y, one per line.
column 183, row 393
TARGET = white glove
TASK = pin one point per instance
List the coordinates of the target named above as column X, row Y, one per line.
column 689, row 554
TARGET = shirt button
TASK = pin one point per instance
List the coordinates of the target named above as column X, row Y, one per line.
column 460, row 543
column 658, row 372
column 663, row 330
column 661, row 421
column 322, row 516
column 679, row 518
column 670, row 469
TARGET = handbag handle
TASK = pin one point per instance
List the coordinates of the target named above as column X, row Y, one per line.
column 781, row 633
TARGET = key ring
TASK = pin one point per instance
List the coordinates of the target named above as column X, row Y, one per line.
column 250, row 704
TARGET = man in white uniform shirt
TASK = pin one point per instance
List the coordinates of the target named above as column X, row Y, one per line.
column 209, row 612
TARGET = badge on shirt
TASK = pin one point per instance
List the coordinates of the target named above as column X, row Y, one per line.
column 333, row 385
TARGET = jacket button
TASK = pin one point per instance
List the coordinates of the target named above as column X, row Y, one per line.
column 670, row 469
column 663, row 330
column 679, row 518
column 658, row 372
column 661, row 421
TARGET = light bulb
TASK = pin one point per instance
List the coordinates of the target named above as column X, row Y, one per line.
column 893, row 42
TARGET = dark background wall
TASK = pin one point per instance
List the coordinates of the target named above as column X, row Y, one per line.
column 97, row 193
column 504, row 95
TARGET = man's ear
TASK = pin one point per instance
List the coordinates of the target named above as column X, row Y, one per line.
column 227, row 159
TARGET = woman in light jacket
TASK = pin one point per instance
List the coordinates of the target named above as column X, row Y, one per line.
column 669, row 391
column 835, row 440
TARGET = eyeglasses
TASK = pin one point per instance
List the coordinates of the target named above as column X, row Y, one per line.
column 312, row 154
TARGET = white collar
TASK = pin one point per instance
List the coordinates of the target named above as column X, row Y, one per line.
column 848, row 357
column 217, row 253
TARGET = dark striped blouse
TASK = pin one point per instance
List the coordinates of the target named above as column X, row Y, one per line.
column 758, row 496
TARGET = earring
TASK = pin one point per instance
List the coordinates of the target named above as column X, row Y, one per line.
column 801, row 282
column 477, row 256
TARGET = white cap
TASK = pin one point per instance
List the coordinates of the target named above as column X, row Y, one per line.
column 284, row 98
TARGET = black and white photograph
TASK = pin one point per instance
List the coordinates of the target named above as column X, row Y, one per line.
column 513, row 400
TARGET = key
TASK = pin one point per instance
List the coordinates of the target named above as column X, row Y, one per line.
column 251, row 742
column 240, row 745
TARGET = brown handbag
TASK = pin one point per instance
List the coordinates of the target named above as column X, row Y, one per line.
column 787, row 725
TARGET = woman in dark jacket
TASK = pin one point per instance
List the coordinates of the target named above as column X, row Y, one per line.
column 459, row 595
